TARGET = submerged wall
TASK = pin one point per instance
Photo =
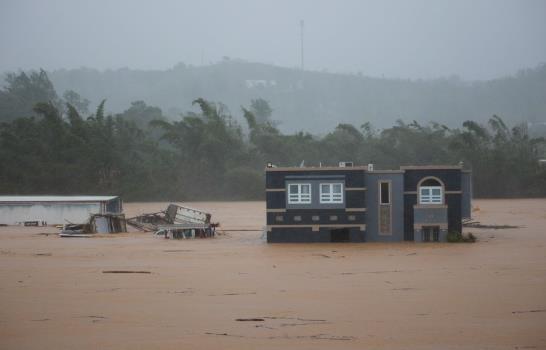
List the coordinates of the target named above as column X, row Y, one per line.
column 52, row 213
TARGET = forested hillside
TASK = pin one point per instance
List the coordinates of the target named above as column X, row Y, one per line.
column 55, row 145
column 315, row 101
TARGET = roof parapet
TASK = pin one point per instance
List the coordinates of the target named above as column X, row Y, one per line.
column 431, row 167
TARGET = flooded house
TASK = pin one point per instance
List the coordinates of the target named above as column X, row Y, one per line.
column 57, row 210
column 359, row 204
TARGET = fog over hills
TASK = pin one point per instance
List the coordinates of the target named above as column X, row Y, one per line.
column 314, row 101
column 317, row 62
column 417, row 39
column 309, row 81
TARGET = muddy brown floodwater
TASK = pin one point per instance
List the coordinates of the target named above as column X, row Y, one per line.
column 237, row 292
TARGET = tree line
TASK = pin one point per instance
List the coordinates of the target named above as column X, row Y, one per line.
column 54, row 145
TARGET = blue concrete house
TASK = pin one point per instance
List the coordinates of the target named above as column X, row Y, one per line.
column 358, row 204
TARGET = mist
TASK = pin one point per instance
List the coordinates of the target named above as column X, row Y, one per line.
column 475, row 40
column 222, row 85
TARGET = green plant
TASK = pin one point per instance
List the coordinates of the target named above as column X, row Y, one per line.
column 458, row 237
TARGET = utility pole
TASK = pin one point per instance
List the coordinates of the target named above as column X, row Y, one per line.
column 301, row 42
column 301, row 37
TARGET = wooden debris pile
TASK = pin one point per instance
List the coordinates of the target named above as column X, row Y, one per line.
column 176, row 222
column 97, row 223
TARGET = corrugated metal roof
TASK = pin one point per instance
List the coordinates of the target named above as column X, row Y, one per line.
column 26, row 199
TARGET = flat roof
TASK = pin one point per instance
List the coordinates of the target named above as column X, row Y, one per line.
column 430, row 167
column 26, row 199
column 365, row 168
column 386, row 172
column 316, row 168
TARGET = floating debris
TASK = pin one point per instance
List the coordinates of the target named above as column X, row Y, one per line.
column 125, row 271
column 75, row 235
column 176, row 222
column 97, row 223
column 477, row 224
column 528, row 311
column 249, row 319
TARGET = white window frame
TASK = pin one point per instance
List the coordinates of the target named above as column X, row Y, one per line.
column 430, row 198
column 299, row 197
column 330, row 197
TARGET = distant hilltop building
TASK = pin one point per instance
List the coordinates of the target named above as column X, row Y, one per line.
column 253, row 83
column 359, row 204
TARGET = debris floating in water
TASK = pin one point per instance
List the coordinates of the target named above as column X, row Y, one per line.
column 176, row 222
column 125, row 271
column 249, row 319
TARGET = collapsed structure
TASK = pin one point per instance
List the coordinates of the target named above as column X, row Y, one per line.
column 176, row 222
column 97, row 223
column 358, row 204
column 82, row 215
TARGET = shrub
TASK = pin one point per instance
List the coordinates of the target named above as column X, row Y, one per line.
column 458, row 237
column 453, row 237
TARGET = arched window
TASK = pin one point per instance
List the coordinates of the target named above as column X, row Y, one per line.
column 431, row 191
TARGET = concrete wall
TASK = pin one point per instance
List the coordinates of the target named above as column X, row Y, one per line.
column 307, row 235
column 372, row 207
column 430, row 214
column 314, row 222
column 315, row 192
column 52, row 213
column 452, row 196
column 314, row 217
column 466, row 205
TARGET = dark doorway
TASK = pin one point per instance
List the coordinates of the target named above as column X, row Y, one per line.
column 339, row 235
column 431, row 233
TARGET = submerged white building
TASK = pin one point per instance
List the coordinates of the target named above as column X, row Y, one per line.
column 56, row 210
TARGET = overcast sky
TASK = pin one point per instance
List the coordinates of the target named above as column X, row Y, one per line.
column 406, row 39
